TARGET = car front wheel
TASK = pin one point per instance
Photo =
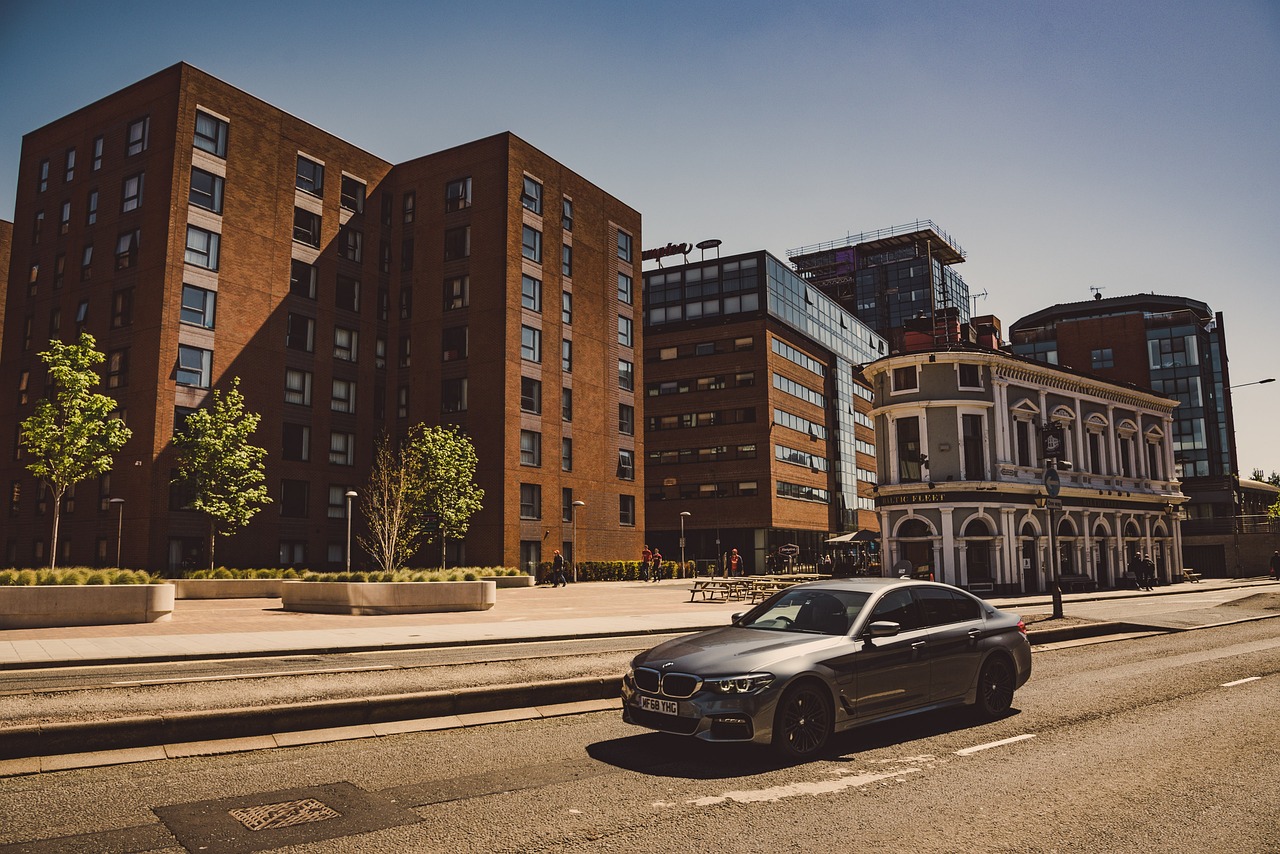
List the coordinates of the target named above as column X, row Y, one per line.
column 803, row 723
column 995, row 688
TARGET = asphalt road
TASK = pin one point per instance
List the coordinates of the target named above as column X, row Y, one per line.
column 1162, row 743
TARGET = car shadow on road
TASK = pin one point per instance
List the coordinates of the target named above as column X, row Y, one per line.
column 664, row 755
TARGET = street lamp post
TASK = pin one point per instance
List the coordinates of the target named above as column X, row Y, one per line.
column 1256, row 382
column 683, row 514
column 350, row 494
column 576, row 505
column 119, row 503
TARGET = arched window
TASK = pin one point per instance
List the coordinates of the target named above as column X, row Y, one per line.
column 913, row 528
column 977, row 528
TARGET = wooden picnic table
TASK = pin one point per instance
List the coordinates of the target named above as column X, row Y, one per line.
column 711, row 589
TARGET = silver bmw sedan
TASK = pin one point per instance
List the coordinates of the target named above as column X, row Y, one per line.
column 828, row 656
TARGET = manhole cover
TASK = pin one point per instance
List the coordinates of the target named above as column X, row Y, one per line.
column 287, row 814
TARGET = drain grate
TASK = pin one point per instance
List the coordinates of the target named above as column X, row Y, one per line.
column 287, row 814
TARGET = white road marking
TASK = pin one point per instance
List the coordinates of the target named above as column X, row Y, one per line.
column 776, row 793
column 980, row 747
column 1240, row 681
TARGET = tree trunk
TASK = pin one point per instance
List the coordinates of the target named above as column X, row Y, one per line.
column 57, row 516
column 443, row 544
column 213, row 538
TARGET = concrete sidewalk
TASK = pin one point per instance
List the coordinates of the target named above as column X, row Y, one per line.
column 258, row 627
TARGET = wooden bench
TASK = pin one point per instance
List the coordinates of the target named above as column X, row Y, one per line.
column 1077, row 584
column 1190, row 575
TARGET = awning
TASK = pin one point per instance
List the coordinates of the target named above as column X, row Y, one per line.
column 862, row 536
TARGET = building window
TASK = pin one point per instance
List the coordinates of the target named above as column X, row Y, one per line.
column 122, row 308
column 347, row 294
column 98, row 145
column 127, row 248
column 530, row 501
column 117, row 368
column 406, row 302
column 300, row 333
column 1022, row 440
column 380, row 352
column 408, row 207
column 625, row 330
column 624, row 246
column 626, row 419
column 969, row 376
column 198, row 306
column 402, row 402
column 566, row 356
column 337, row 504
column 352, row 196
column 566, row 455
column 530, row 344
column 627, row 511
column 457, row 243
column 566, row 504
column 453, row 343
column 566, row 404
column 86, row 263
column 1103, row 358
column 624, row 288
column 530, row 448
column 344, row 344
column 69, row 172
column 975, row 466
column 531, row 293
column 297, row 386
column 904, row 379
column 43, row 183
column 406, row 351
column 531, row 244
column 342, row 449
column 91, row 208
column 136, row 137
column 453, row 395
column 211, row 134
column 306, row 227
column 302, row 279
column 295, row 442
column 293, row 498
column 457, row 194
column 202, row 248
column 626, row 375
column 194, row 366
column 406, row 255
column 343, row 398
column 531, row 395
column 64, row 219
column 206, row 190
column 909, row 457
column 531, row 195
column 456, row 292
column 310, row 176
column 566, row 214
column 351, row 244
column 566, row 261
column 626, row 464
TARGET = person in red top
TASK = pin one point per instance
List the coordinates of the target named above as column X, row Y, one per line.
column 646, row 557
column 735, row 563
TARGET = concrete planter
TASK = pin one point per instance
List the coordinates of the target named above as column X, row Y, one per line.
column 84, row 605
column 371, row 598
column 227, row 588
column 509, row 580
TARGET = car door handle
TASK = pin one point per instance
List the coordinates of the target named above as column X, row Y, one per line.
column 918, row 645
column 974, row 634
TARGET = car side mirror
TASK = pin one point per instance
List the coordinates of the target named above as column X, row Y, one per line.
column 883, row 629
column 735, row 618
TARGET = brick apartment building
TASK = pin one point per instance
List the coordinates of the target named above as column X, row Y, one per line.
column 201, row 234
column 755, row 413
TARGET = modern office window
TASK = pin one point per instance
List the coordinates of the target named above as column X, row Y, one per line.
column 202, row 248
column 453, row 343
column 625, row 293
column 627, row 510
column 531, row 195
column 118, row 368
column 530, row 344
column 566, row 214
column 342, row 448
column 310, row 176
column 136, row 136
column 453, row 395
column 531, row 293
column 626, row 464
column 530, row 448
column 127, row 247
column 297, row 386
column 91, row 208
column 531, row 244
column 625, row 331
column 626, row 419
column 351, row 243
column 211, row 134
column 457, row 243
column 302, row 279
column 198, row 306
column 457, row 194
column 98, row 146
column 1104, row 358
column 347, row 294
column 566, row 307
column 122, row 308
column 456, row 292
column 294, row 496
column 624, row 246
column 206, row 190
column 626, row 375
column 566, row 404
column 300, row 333
column 566, row 260
column 343, row 398
column 566, row 356
column 566, row 455
column 194, row 366
column 306, row 227
column 530, row 501
column 345, row 342
column 531, row 395
column 352, row 196
column 296, row 442
column 408, row 207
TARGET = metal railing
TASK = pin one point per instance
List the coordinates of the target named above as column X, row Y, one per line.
column 879, row 234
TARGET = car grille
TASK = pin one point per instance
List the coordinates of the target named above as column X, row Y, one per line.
column 679, row 686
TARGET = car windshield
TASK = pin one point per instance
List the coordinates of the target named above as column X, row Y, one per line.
column 807, row 609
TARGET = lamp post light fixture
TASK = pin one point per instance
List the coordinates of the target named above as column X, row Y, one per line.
column 119, row 503
column 350, row 494
column 683, row 514
column 576, row 505
column 1256, row 382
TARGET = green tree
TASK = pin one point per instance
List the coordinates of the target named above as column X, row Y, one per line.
column 220, row 467
column 419, row 489
column 74, row 436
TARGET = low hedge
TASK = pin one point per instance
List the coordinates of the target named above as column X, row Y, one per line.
column 73, row 576
column 472, row 573
column 613, row 570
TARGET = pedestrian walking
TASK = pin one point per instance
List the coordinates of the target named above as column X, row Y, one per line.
column 656, row 574
column 1134, row 568
column 1149, row 571
column 735, row 563
column 1275, row 565
column 557, row 571
column 646, row 558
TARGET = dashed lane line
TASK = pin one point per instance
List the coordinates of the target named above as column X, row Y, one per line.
column 978, row 748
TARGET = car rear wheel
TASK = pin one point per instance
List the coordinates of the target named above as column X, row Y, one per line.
column 803, row 723
column 995, row 687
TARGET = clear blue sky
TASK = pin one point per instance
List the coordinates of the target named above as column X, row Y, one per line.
column 1130, row 146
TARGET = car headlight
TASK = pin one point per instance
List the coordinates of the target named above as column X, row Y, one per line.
column 747, row 684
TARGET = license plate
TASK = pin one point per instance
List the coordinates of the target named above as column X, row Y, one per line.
column 662, row 707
